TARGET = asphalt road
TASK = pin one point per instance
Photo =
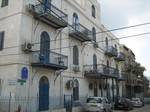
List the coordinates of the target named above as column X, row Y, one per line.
column 146, row 108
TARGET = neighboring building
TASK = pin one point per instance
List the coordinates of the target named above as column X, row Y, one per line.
column 133, row 73
column 51, row 56
column 146, row 87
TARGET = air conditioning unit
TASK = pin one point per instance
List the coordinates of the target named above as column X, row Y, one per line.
column 30, row 7
column 76, row 68
column 27, row 47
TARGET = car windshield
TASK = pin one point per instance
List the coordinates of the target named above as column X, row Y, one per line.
column 94, row 100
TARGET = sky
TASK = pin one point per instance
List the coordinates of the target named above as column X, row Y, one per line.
column 120, row 13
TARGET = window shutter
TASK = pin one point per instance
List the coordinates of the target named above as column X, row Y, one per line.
column 1, row 40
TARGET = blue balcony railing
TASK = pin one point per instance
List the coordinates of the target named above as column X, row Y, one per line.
column 50, row 60
column 49, row 14
column 111, row 51
column 100, row 70
column 80, row 32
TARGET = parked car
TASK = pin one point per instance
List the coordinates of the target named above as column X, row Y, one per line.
column 137, row 102
column 98, row 104
column 146, row 100
column 123, row 104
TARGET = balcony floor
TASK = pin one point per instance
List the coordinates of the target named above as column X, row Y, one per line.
column 119, row 59
column 99, row 75
column 49, row 66
column 51, row 20
column 110, row 54
column 79, row 36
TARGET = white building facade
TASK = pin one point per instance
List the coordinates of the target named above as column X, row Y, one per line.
column 56, row 53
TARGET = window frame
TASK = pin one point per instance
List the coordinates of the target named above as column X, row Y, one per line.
column 4, row 3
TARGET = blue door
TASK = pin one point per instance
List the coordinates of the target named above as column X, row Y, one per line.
column 44, row 48
column 44, row 94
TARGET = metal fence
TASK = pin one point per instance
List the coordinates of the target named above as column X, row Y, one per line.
column 31, row 104
column 27, row 104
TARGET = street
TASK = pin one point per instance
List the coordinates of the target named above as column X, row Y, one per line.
column 146, row 108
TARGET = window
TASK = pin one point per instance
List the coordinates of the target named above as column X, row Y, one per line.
column 76, row 90
column 95, row 62
column 75, row 55
column 107, row 63
column 106, row 41
column 93, row 11
column 2, row 40
column 75, row 21
column 94, row 34
column 4, row 3
column 44, row 47
column 116, row 47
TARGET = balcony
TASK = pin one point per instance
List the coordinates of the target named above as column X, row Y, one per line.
column 120, row 57
column 100, row 71
column 50, row 60
column 121, row 77
column 80, row 33
column 111, row 51
column 49, row 14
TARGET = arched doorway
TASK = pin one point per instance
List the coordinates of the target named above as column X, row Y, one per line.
column 44, row 47
column 44, row 94
column 95, row 89
column 76, row 90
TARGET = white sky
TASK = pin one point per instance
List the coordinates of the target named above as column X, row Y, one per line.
column 119, row 13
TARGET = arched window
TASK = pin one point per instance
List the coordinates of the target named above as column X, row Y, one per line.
column 94, row 34
column 107, row 63
column 44, row 47
column 106, row 41
column 75, row 21
column 117, row 66
column 93, row 11
column 75, row 55
column 116, row 47
column 76, row 90
column 94, row 62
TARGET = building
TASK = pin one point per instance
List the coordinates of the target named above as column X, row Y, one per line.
column 133, row 73
column 51, row 55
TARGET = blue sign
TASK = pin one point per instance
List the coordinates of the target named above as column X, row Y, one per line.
column 24, row 73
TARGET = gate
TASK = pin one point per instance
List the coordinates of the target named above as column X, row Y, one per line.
column 68, row 103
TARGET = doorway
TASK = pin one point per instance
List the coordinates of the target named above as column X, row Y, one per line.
column 43, row 94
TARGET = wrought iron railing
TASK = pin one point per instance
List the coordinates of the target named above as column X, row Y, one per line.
column 101, row 70
column 78, row 28
column 110, row 50
column 49, row 8
column 49, row 57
